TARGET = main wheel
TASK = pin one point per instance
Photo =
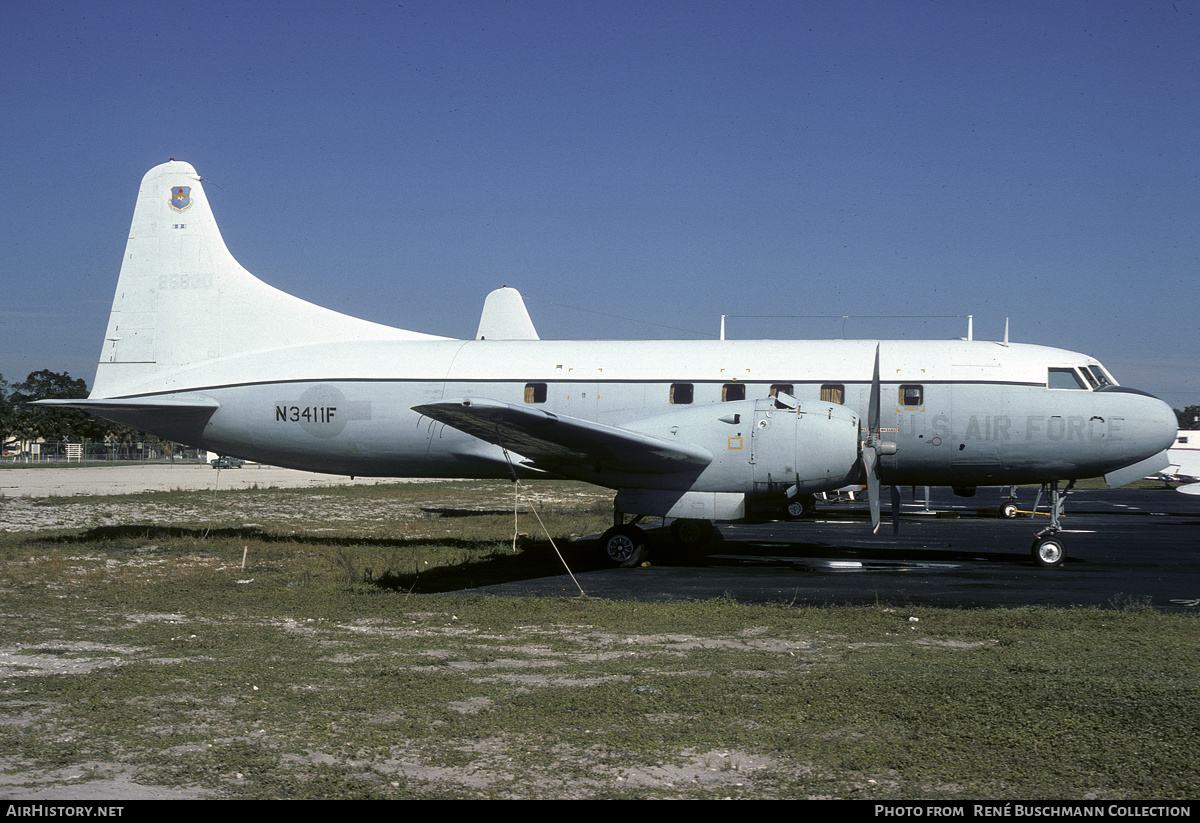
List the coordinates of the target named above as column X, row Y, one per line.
column 624, row 545
column 800, row 507
column 1049, row 551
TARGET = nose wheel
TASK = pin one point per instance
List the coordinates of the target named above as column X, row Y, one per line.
column 1048, row 551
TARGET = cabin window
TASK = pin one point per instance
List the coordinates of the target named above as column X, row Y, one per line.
column 833, row 393
column 733, row 391
column 1064, row 379
column 788, row 391
column 912, row 396
column 681, row 393
column 535, row 392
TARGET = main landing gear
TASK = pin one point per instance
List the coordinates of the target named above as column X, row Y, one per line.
column 625, row 544
column 800, row 507
column 1048, row 549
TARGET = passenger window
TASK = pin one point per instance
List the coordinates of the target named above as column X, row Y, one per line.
column 912, row 396
column 681, row 393
column 788, row 391
column 833, row 393
column 535, row 392
column 733, row 391
column 1064, row 379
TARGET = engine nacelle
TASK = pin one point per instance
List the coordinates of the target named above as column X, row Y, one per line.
column 764, row 448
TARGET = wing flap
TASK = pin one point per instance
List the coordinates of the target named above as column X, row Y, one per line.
column 550, row 441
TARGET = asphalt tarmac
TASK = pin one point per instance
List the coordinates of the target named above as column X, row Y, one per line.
column 1125, row 548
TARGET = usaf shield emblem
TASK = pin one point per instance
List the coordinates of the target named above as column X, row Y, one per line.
column 181, row 197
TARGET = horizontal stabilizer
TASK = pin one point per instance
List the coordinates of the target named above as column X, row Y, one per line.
column 550, row 441
column 179, row 417
column 176, row 404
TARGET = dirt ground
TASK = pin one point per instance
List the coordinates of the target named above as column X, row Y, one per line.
column 70, row 481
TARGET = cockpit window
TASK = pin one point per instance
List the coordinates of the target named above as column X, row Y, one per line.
column 1101, row 376
column 1064, row 378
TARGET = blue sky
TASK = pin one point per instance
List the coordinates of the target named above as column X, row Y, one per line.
column 636, row 169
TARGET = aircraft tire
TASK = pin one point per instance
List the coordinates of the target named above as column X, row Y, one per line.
column 800, row 507
column 1009, row 510
column 624, row 546
column 1049, row 552
column 691, row 534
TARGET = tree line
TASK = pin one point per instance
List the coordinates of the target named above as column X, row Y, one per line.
column 20, row 421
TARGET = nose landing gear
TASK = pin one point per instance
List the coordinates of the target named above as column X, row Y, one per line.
column 1048, row 549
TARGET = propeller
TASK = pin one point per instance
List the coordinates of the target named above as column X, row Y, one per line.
column 872, row 450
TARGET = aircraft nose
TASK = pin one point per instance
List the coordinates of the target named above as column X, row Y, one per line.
column 1166, row 422
column 1156, row 422
column 1148, row 428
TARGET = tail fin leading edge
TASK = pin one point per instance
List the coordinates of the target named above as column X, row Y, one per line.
column 182, row 299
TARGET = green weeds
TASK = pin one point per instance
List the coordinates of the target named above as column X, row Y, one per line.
column 330, row 666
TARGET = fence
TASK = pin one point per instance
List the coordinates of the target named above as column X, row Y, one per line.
column 100, row 451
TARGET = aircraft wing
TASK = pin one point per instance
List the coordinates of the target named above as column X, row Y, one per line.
column 549, row 441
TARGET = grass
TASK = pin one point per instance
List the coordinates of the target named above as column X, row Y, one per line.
column 141, row 654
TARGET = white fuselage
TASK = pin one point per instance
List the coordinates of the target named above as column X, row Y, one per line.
column 960, row 412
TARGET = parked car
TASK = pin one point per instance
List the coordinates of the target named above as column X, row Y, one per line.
column 225, row 462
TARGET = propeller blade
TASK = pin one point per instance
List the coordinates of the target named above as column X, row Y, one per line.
column 873, row 408
column 871, row 470
column 895, row 509
column 870, row 453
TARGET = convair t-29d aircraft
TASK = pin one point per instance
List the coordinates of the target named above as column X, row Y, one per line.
column 200, row 351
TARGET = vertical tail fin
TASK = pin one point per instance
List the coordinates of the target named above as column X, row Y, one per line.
column 182, row 299
column 505, row 317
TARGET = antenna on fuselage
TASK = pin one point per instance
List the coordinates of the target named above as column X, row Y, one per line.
column 1006, row 331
